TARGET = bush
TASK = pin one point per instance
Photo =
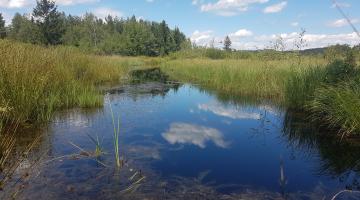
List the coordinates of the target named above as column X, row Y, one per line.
column 339, row 71
column 213, row 53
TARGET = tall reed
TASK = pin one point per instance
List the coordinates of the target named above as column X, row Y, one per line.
column 35, row 81
column 264, row 79
column 338, row 106
column 116, row 134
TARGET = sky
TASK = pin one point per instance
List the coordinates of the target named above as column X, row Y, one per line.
column 250, row 24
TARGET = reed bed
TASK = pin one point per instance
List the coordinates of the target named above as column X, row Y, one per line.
column 264, row 79
column 35, row 81
column 338, row 106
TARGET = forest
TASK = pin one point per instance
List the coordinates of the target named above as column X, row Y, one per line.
column 112, row 35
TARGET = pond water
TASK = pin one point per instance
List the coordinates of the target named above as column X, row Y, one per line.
column 183, row 143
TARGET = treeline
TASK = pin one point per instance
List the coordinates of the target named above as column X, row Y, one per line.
column 112, row 35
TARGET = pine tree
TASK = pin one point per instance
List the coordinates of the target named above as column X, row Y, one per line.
column 2, row 27
column 50, row 21
column 227, row 44
column 179, row 38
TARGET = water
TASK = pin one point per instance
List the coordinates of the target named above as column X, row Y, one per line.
column 189, row 145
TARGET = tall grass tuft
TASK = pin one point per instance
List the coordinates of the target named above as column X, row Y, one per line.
column 301, row 85
column 338, row 106
column 116, row 134
column 35, row 81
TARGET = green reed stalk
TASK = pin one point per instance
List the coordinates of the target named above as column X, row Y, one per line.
column 116, row 128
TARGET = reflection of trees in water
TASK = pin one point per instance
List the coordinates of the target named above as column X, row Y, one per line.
column 338, row 158
column 144, row 90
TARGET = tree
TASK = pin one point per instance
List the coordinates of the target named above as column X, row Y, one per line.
column 24, row 30
column 92, row 31
column 227, row 44
column 109, row 36
column 50, row 21
column 72, row 35
column 140, row 39
column 2, row 27
column 179, row 38
column 166, row 42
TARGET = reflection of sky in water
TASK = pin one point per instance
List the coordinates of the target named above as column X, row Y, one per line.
column 187, row 132
column 230, row 112
column 183, row 133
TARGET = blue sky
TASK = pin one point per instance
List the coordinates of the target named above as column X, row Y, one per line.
column 250, row 24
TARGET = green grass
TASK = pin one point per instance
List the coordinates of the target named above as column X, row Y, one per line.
column 36, row 81
column 116, row 134
column 300, row 86
column 265, row 79
column 338, row 106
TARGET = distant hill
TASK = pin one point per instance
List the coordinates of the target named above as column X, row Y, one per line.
column 314, row 51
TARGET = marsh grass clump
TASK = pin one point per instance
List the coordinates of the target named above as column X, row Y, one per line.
column 339, row 71
column 330, row 95
column 338, row 106
column 98, row 147
column 35, row 81
column 214, row 53
column 301, row 85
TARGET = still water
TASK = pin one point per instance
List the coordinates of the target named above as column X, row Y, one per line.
column 183, row 143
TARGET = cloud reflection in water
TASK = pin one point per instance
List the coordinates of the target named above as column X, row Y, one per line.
column 232, row 113
column 184, row 133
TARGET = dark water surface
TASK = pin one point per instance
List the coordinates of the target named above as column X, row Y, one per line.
column 187, row 144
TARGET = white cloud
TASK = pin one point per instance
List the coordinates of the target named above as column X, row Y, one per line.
column 295, row 24
column 73, row 2
column 312, row 40
column 228, row 7
column 241, row 33
column 149, row 1
column 196, row 2
column 341, row 4
column 140, row 18
column 103, row 12
column 24, row 3
column 342, row 22
column 202, row 38
column 14, row 3
column 229, row 112
column 275, row 8
column 184, row 133
column 7, row 18
column 254, row 42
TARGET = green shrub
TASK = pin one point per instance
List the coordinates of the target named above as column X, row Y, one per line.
column 213, row 53
column 339, row 71
column 338, row 107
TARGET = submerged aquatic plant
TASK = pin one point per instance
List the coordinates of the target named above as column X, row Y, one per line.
column 98, row 149
column 116, row 126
